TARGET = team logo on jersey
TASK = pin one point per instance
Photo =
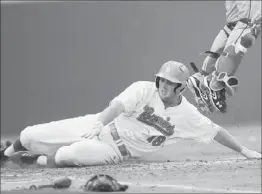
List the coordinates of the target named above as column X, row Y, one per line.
column 149, row 118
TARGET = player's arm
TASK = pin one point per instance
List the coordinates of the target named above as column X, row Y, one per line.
column 125, row 102
column 111, row 112
column 226, row 139
column 208, row 131
column 105, row 117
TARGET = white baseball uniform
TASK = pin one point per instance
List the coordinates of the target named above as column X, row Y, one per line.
column 233, row 30
column 144, row 126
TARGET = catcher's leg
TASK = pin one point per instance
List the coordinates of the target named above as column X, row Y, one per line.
column 241, row 38
column 222, row 80
column 195, row 83
column 216, row 49
column 237, row 45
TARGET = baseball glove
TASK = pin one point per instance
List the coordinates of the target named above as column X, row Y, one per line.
column 103, row 183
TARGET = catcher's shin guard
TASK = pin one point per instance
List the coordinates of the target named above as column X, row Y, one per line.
column 226, row 67
column 229, row 61
column 228, row 64
column 209, row 62
column 232, row 55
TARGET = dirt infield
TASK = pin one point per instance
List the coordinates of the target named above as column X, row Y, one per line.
column 186, row 167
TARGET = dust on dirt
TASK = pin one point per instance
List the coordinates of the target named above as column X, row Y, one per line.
column 185, row 167
column 235, row 175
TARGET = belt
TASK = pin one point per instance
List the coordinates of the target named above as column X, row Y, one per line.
column 121, row 146
column 246, row 21
column 231, row 25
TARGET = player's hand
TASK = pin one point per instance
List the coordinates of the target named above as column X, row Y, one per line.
column 250, row 154
column 94, row 131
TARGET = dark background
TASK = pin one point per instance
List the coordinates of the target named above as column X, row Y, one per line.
column 63, row 60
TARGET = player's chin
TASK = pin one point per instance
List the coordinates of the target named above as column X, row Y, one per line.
column 165, row 98
column 164, row 94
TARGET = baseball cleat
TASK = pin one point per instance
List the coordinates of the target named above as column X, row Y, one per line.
column 200, row 93
column 4, row 146
column 24, row 158
column 217, row 97
column 3, row 157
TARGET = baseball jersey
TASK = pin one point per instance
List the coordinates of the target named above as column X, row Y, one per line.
column 146, row 125
column 236, row 10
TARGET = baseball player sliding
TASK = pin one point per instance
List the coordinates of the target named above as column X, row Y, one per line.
column 144, row 118
column 243, row 26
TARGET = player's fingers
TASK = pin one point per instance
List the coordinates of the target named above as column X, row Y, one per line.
column 83, row 135
column 86, row 135
column 91, row 136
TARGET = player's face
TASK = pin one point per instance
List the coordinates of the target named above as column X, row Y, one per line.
column 166, row 88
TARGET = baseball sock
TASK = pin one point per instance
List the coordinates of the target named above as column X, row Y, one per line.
column 15, row 147
column 42, row 160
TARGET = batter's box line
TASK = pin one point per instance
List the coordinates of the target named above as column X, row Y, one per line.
column 170, row 165
column 191, row 188
column 183, row 187
column 141, row 184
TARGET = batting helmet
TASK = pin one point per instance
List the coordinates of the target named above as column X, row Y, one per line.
column 175, row 72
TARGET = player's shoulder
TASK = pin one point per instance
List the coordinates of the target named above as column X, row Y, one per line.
column 191, row 110
column 144, row 84
column 188, row 105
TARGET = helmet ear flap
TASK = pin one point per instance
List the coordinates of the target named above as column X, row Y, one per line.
column 157, row 82
column 181, row 88
column 178, row 87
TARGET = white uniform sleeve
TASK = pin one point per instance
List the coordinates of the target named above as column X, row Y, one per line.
column 203, row 128
column 132, row 96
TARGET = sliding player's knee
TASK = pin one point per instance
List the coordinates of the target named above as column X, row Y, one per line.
column 26, row 136
column 74, row 154
column 64, row 156
column 87, row 152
